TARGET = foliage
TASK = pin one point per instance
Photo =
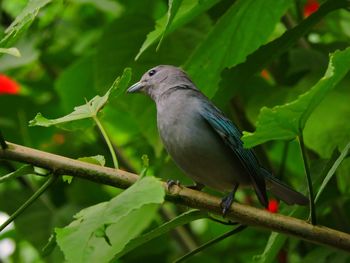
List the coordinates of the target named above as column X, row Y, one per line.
column 263, row 62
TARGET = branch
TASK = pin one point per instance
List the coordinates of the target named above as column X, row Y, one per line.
column 244, row 214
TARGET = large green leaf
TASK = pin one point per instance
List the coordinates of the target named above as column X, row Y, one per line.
column 241, row 30
column 188, row 10
column 86, row 111
column 332, row 132
column 235, row 77
column 101, row 231
column 22, row 21
column 286, row 121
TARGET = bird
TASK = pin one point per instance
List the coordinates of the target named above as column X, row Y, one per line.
column 203, row 142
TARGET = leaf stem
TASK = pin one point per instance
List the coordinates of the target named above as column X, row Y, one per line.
column 211, row 242
column 35, row 196
column 312, row 215
column 107, row 140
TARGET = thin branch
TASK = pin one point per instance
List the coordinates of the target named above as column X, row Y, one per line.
column 31, row 200
column 244, row 214
column 210, row 243
column 312, row 215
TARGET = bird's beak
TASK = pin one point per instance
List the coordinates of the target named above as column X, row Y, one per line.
column 135, row 88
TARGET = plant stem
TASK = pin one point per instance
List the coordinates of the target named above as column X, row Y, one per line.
column 107, row 140
column 35, row 196
column 312, row 215
column 2, row 142
column 210, row 243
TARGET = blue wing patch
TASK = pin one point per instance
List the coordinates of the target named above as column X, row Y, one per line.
column 231, row 135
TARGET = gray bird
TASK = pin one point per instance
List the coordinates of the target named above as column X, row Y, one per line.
column 203, row 142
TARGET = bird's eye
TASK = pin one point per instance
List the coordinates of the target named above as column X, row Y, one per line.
column 152, row 72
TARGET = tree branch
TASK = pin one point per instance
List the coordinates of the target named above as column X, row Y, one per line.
column 244, row 214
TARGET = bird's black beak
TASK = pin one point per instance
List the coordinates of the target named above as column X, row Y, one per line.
column 135, row 88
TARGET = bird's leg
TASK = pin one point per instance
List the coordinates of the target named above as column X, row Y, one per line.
column 227, row 200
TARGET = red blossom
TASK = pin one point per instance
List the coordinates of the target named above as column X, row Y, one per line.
column 265, row 74
column 8, row 85
column 273, row 206
column 310, row 7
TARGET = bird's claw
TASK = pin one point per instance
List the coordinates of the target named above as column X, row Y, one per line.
column 170, row 183
column 226, row 203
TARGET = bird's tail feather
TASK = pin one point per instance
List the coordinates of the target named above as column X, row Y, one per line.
column 283, row 191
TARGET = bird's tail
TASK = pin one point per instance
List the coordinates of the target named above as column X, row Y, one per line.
column 283, row 191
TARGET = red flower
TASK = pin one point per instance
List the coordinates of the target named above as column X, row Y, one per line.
column 310, row 7
column 265, row 74
column 273, row 206
column 8, row 85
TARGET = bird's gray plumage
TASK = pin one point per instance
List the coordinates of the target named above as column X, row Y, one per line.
column 202, row 141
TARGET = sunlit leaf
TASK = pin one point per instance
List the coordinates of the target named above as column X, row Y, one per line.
column 22, row 21
column 11, row 51
column 285, row 122
column 174, row 6
column 188, row 10
column 97, row 159
column 118, row 220
column 88, row 110
column 234, row 36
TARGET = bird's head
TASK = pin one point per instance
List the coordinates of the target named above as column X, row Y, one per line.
column 159, row 79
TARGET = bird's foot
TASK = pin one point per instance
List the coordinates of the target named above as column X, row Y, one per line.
column 226, row 203
column 170, row 183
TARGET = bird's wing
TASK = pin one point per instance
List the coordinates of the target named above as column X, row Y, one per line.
column 231, row 135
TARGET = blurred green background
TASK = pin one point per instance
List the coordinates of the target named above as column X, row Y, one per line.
column 73, row 50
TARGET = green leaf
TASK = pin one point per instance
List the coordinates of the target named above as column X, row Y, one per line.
column 11, row 51
column 174, row 6
column 88, row 110
column 145, row 165
column 180, row 220
column 97, row 159
column 332, row 132
column 286, row 121
column 23, row 170
column 187, row 11
column 22, row 21
column 118, row 221
column 331, row 172
column 241, row 30
column 267, row 53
